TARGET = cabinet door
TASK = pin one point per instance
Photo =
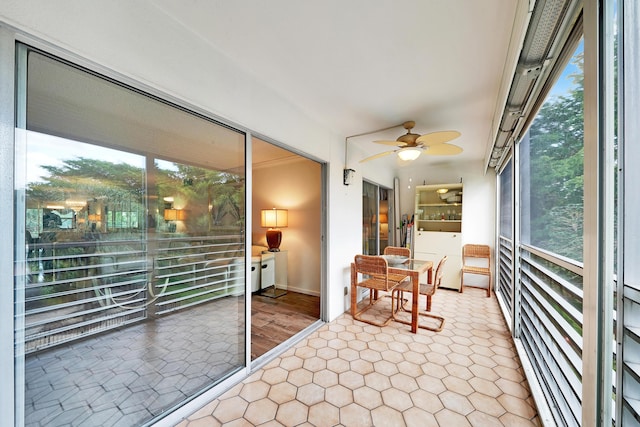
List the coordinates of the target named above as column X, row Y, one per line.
column 421, row 243
column 432, row 246
column 438, row 242
column 281, row 276
column 267, row 272
column 445, row 243
column 451, row 273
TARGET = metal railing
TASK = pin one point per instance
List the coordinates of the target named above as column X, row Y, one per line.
column 80, row 288
column 505, row 273
column 551, row 330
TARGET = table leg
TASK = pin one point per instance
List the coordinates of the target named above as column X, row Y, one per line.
column 415, row 281
column 354, row 289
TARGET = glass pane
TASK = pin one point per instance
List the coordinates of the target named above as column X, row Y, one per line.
column 369, row 218
column 384, row 219
column 132, row 292
column 551, row 202
column 505, row 248
column 628, row 362
column 506, row 200
column 552, row 168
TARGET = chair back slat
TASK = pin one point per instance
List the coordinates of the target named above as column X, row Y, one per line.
column 476, row 251
column 375, row 276
column 397, row 250
column 376, row 268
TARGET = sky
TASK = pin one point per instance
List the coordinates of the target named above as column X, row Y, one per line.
column 51, row 150
column 565, row 83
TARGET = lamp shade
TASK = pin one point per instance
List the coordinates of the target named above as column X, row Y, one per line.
column 274, row 218
column 174, row 215
column 409, row 153
column 170, row 214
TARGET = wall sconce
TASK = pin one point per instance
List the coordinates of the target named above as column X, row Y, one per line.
column 347, row 175
column 272, row 219
column 94, row 217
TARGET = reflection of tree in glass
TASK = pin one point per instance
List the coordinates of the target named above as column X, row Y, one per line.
column 212, row 198
column 557, row 175
column 89, row 178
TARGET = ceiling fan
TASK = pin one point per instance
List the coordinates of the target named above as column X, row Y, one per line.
column 411, row 145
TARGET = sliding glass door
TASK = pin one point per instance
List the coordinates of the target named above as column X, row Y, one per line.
column 377, row 215
column 129, row 282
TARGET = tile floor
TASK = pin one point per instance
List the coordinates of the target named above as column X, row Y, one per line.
column 350, row 373
column 129, row 376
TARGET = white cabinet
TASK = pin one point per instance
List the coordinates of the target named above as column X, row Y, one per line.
column 433, row 245
column 267, row 270
column 282, row 266
column 437, row 229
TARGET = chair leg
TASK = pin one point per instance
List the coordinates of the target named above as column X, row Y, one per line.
column 428, row 302
column 357, row 314
column 437, row 328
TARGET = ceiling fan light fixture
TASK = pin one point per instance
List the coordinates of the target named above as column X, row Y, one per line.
column 409, row 153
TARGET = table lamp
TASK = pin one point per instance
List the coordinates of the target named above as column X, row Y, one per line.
column 273, row 219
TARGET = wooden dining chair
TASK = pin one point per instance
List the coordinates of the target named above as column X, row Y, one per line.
column 476, row 259
column 397, row 250
column 427, row 289
column 373, row 274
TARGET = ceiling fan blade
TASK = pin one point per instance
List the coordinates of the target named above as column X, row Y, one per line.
column 435, row 138
column 444, row 149
column 395, row 143
column 376, row 156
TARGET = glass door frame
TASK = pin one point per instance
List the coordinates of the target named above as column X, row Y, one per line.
column 7, row 220
column 375, row 222
column 12, row 87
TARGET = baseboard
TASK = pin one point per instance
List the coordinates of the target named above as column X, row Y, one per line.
column 302, row 291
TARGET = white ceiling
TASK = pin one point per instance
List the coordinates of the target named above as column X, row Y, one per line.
column 360, row 65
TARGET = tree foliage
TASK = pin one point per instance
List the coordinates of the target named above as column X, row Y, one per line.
column 212, row 197
column 557, row 172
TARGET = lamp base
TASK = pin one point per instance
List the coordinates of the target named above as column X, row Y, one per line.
column 274, row 237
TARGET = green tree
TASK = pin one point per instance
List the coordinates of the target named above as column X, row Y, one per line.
column 557, row 171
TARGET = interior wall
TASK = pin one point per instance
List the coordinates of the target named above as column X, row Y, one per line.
column 296, row 186
column 478, row 196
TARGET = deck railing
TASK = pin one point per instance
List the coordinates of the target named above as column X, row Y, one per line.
column 76, row 289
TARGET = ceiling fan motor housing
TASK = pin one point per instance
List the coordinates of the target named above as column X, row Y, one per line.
column 408, row 138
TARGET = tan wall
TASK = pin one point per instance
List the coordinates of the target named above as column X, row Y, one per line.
column 296, row 186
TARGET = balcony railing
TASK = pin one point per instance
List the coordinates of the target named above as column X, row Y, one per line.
column 76, row 289
column 552, row 329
